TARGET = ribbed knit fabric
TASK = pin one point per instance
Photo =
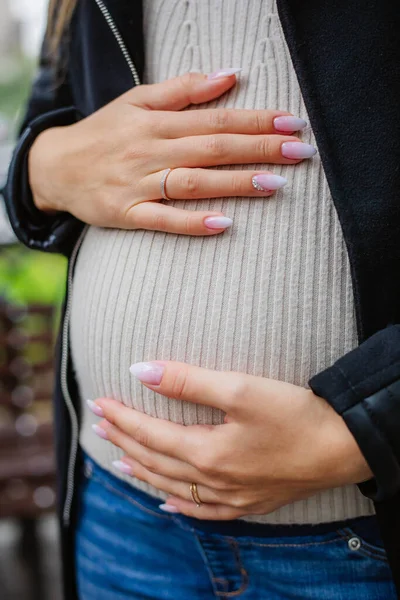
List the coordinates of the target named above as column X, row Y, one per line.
column 272, row 296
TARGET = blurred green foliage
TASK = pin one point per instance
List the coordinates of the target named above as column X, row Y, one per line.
column 26, row 276
column 14, row 90
column 31, row 277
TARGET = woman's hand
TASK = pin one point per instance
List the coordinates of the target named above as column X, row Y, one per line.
column 279, row 443
column 106, row 169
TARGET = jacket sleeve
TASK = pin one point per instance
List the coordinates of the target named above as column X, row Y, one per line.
column 364, row 388
column 50, row 104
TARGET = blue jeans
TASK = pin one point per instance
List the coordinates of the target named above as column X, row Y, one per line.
column 126, row 548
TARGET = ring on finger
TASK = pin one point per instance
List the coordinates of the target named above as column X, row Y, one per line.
column 195, row 495
column 163, row 184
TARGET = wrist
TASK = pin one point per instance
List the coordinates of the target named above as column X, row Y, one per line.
column 337, row 459
column 341, row 460
column 43, row 161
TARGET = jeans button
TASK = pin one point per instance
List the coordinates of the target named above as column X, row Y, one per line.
column 354, row 544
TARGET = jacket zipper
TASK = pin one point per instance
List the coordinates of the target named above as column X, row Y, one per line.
column 111, row 23
column 65, row 329
column 64, row 386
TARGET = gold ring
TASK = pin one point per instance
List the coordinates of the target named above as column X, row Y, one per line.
column 163, row 184
column 195, row 495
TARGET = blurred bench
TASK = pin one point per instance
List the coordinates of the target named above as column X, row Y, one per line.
column 26, row 441
column 27, row 467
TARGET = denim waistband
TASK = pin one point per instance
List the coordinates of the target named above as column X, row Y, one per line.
column 235, row 528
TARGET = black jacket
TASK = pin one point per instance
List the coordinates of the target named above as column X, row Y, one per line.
column 347, row 57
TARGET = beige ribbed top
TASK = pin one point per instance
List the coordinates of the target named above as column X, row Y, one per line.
column 272, row 296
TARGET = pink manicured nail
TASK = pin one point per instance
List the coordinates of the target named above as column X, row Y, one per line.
column 224, row 73
column 148, row 372
column 123, row 467
column 289, row 124
column 296, row 150
column 266, row 183
column 100, row 432
column 168, row 508
column 217, row 222
column 95, row 408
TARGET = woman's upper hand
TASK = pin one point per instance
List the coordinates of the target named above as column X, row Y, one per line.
column 279, row 443
column 106, row 169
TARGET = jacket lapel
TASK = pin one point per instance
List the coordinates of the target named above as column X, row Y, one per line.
column 346, row 54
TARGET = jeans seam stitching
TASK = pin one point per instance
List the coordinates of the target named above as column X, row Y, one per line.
column 111, row 488
column 292, row 545
column 206, row 563
column 245, row 577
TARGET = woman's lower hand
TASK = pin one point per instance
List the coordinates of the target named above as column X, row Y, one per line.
column 279, row 443
column 106, row 169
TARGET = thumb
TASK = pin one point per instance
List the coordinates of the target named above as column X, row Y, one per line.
column 189, row 383
column 180, row 92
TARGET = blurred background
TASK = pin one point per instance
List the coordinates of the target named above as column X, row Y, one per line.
column 31, row 290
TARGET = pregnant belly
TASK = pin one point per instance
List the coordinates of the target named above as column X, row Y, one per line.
column 244, row 300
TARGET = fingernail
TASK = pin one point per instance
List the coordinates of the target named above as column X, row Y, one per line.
column 224, row 73
column 123, row 467
column 264, row 183
column 289, row 123
column 100, row 432
column 297, row 150
column 95, row 408
column 218, row 222
column 148, row 372
column 168, row 508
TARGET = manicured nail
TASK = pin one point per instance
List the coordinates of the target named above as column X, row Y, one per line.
column 289, row 124
column 297, row 150
column 123, row 467
column 95, row 408
column 217, row 222
column 224, row 73
column 100, row 432
column 168, row 508
column 148, row 372
column 264, row 183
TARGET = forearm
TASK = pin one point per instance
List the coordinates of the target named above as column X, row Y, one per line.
column 364, row 388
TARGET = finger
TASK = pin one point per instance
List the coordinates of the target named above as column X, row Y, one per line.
column 230, row 149
column 154, row 216
column 189, row 184
column 179, row 92
column 167, row 484
column 158, row 434
column 228, row 120
column 150, row 459
column 224, row 390
column 208, row 512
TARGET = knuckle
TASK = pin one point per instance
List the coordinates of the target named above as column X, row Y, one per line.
column 206, row 463
column 191, row 183
column 188, row 81
column 238, row 390
column 149, row 122
column 180, row 384
column 260, row 123
column 111, row 209
column 220, row 119
column 141, row 436
column 264, row 146
column 160, row 223
column 238, row 502
column 191, row 225
column 149, row 464
column 220, row 484
column 238, row 185
column 215, row 146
